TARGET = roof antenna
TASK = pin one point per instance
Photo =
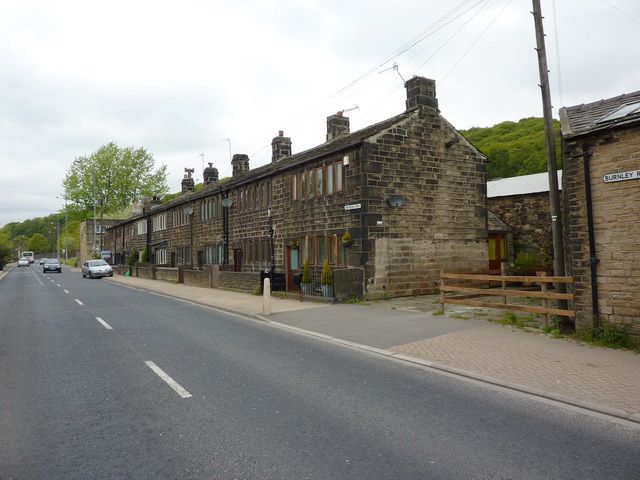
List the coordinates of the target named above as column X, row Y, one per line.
column 394, row 67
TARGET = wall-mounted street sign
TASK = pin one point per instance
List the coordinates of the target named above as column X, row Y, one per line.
column 353, row 206
column 621, row 176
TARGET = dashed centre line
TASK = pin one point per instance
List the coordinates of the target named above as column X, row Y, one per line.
column 58, row 284
column 78, row 301
column 104, row 324
column 170, row 381
column 66, row 291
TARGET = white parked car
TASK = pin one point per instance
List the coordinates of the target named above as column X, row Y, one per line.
column 24, row 262
column 96, row 269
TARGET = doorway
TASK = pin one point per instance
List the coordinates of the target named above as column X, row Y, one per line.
column 293, row 267
column 237, row 260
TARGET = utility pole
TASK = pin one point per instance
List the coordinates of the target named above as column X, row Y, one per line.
column 554, row 196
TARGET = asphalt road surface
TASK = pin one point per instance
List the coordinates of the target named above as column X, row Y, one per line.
column 100, row 381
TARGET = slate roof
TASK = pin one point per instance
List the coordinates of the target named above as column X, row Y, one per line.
column 522, row 185
column 583, row 119
column 286, row 163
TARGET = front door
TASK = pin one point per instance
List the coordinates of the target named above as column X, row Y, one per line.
column 293, row 267
column 237, row 260
column 497, row 251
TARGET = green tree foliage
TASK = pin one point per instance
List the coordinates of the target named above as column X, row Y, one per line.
column 121, row 175
column 6, row 248
column 39, row 243
column 514, row 148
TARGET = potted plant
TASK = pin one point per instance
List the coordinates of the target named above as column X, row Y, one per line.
column 305, row 282
column 326, row 280
column 346, row 239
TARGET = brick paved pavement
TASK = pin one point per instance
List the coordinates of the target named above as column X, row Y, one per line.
column 562, row 367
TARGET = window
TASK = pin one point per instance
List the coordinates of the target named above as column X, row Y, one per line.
column 213, row 254
column 303, row 185
column 294, row 186
column 319, row 179
column 183, row 255
column 159, row 222
column 180, row 217
column 330, row 179
column 310, row 184
column 161, row 257
column 141, row 227
column 338, row 177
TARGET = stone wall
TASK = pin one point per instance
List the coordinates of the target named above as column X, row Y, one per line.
column 529, row 216
column 167, row 274
column 197, row 278
column 145, row 272
column 348, row 283
column 616, row 220
column 443, row 220
column 246, row 281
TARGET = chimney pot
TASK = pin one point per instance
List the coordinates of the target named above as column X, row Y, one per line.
column 421, row 91
column 337, row 126
column 280, row 147
column 240, row 164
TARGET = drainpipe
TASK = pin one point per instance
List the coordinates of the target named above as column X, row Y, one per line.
column 593, row 260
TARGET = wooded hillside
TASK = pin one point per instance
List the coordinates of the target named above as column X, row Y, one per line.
column 514, row 148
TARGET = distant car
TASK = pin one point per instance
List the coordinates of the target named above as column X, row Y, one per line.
column 52, row 265
column 23, row 262
column 96, row 269
column 42, row 260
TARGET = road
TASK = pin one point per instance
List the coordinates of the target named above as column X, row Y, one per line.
column 100, row 381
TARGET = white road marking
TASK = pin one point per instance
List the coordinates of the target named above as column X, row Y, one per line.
column 78, row 301
column 66, row 291
column 58, row 284
column 170, row 381
column 39, row 281
column 104, row 324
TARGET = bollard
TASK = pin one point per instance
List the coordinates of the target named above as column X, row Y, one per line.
column 266, row 297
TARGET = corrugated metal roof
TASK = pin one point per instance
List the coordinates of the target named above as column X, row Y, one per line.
column 522, row 185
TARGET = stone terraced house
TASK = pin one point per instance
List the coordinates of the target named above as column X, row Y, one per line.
column 601, row 197
column 388, row 206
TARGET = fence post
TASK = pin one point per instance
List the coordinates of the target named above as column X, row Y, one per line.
column 503, row 273
column 266, row 297
column 543, row 287
column 442, row 291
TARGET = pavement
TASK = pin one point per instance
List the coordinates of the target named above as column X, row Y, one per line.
column 462, row 341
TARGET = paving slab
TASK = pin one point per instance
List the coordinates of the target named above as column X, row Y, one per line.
column 376, row 326
column 225, row 299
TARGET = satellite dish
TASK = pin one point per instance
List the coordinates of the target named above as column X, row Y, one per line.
column 227, row 202
column 188, row 210
column 396, row 201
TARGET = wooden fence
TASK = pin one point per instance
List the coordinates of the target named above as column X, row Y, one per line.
column 473, row 294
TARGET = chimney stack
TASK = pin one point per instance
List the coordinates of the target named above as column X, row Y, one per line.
column 210, row 174
column 337, row 126
column 421, row 91
column 240, row 164
column 188, row 185
column 280, row 147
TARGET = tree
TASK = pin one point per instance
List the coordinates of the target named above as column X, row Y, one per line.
column 514, row 148
column 120, row 175
column 6, row 248
column 38, row 243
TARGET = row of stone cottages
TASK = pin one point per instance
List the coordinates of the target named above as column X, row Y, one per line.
column 388, row 206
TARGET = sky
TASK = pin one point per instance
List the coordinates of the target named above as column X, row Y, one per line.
column 195, row 80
